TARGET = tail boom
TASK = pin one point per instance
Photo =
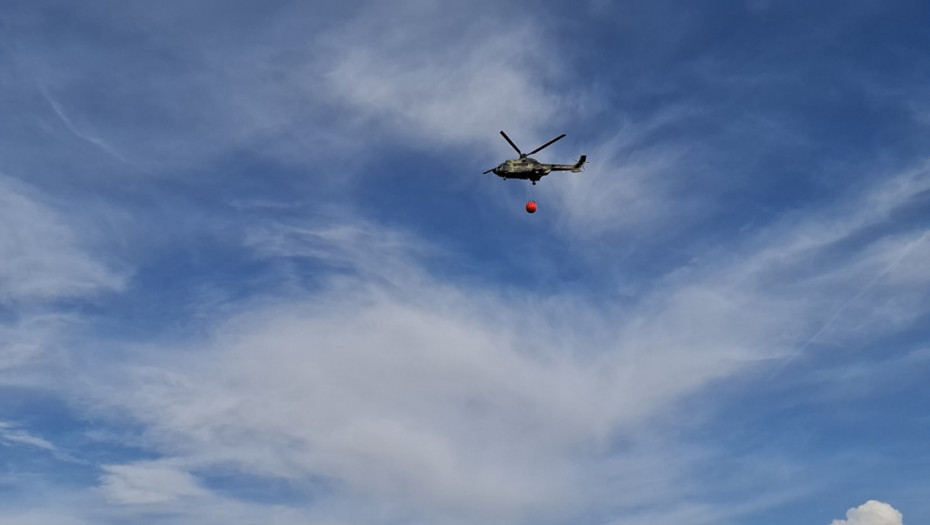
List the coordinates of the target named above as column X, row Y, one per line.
column 574, row 168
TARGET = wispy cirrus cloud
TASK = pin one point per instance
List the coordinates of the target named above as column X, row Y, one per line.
column 445, row 79
column 437, row 76
column 44, row 258
column 418, row 396
column 10, row 435
column 147, row 482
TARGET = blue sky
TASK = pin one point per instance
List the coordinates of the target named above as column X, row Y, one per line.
column 251, row 271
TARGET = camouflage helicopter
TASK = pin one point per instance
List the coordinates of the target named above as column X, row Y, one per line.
column 526, row 168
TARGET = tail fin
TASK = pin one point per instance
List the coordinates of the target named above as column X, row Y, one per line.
column 580, row 164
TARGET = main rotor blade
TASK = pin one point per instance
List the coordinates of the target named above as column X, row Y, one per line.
column 546, row 145
column 512, row 145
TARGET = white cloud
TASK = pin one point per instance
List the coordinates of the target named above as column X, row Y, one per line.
column 872, row 512
column 343, row 243
column 439, row 83
column 148, row 483
column 43, row 257
column 29, row 337
column 629, row 184
column 10, row 435
column 422, row 397
column 39, row 517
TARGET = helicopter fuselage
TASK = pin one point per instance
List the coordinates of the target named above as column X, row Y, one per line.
column 524, row 169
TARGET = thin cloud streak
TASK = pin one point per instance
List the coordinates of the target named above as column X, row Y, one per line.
column 839, row 311
column 77, row 132
column 9, row 434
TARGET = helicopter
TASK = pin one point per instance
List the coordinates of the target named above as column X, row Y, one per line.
column 526, row 168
